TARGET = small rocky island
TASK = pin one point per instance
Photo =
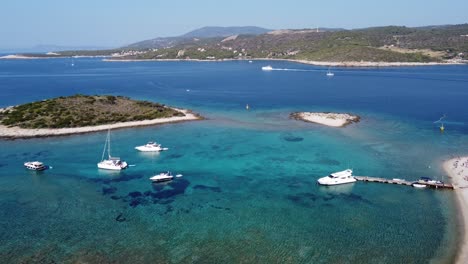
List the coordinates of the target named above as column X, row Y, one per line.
column 326, row 118
column 84, row 113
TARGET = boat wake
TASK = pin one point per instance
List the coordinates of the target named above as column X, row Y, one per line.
column 295, row 70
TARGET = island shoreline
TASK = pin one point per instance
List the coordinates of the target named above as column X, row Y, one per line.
column 13, row 133
column 326, row 118
column 364, row 64
column 458, row 178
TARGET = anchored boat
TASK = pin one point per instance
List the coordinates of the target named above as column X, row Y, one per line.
column 162, row 177
column 35, row 165
column 336, row 178
column 112, row 163
column 150, row 147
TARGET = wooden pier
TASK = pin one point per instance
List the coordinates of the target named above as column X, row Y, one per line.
column 404, row 182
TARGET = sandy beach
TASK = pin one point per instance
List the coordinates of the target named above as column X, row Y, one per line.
column 457, row 170
column 17, row 132
column 374, row 63
column 317, row 63
column 18, row 57
column 327, row 119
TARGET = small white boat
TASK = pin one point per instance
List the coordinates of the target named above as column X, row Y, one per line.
column 329, row 73
column 35, row 165
column 267, row 68
column 250, row 61
column 419, row 186
column 112, row 163
column 162, row 177
column 336, row 178
column 150, row 147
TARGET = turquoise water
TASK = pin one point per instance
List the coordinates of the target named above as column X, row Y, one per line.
column 249, row 190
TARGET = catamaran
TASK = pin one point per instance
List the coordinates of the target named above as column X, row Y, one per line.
column 151, row 147
column 112, row 163
column 336, row 178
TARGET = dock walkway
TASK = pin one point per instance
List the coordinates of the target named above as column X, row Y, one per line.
column 404, row 182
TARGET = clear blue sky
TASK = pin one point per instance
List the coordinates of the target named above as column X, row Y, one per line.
column 25, row 23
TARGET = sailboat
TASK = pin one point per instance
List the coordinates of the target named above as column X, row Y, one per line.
column 72, row 62
column 112, row 163
column 329, row 73
column 442, row 128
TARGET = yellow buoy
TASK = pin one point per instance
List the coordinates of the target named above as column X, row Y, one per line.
column 442, row 128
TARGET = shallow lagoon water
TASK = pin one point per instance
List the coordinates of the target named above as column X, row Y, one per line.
column 249, row 190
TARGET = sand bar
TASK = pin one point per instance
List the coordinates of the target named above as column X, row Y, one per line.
column 457, row 170
column 17, row 132
column 327, row 119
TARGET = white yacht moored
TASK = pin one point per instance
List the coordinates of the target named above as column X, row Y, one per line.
column 161, row 177
column 150, row 147
column 35, row 165
column 336, row 178
column 329, row 73
column 419, row 186
column 112, row 163
column 267, row 68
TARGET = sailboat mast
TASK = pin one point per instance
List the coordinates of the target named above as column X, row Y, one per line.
column 104, row 149
column 108, row 144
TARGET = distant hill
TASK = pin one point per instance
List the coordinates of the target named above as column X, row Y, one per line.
column 213, row 32
column 201, row 33
column 386, row 44
column 375, row 44
column 49, row 47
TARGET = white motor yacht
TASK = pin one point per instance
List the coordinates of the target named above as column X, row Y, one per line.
column 35, row 165
column 336, row 178
column 112, row 163
column 161, row 177
column 267, row 68
column 150, row 147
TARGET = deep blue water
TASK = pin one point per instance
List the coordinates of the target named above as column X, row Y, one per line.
column 248, row 193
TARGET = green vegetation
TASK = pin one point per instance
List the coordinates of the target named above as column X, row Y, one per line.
column 387, row 44
column 378, row 44
column 83, row 110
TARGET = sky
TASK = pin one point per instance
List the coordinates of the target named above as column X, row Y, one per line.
column 114, row 23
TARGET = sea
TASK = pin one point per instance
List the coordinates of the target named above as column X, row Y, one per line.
column 249, row 190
